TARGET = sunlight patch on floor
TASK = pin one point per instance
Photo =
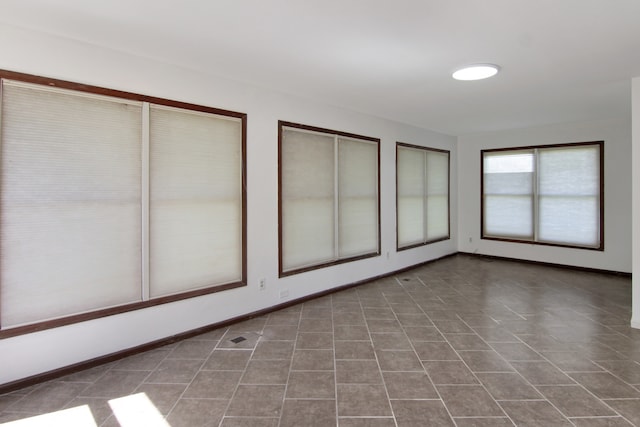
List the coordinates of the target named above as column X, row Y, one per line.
column 130, row 411
column 137, row 410
column 80, row 416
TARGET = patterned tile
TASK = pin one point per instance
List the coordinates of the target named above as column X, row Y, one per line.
column 460, row 341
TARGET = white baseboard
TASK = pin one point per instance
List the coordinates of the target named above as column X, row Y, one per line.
column 635, row 322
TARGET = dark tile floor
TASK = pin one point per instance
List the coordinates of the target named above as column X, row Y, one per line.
column 461, row 342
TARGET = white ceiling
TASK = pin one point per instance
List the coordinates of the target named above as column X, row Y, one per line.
column 562, row 60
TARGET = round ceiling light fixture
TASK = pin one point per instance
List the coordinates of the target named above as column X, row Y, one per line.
column 476, row 72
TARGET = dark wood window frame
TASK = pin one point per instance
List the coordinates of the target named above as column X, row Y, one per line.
column 95, row 314
column 600, row 144
column 281, row 125
column 426, row 242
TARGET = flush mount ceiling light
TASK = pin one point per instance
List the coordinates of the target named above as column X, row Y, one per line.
column 476, row 72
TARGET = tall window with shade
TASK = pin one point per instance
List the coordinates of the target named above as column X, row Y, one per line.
column 422, row 191
column 113, row 201
column 550, row 194
column 329, row 198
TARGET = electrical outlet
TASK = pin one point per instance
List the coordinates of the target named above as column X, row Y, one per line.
column 284, row 293
column 470, row 239
column 263, row 284
column 387, row 254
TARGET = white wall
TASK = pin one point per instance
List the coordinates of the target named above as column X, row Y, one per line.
column 635, row 102
column 617, row 137
column 48, row 56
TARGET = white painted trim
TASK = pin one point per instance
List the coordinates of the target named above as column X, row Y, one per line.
column 145, row 196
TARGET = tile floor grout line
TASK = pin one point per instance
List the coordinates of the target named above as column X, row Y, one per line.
column 235, row 390
column 435, row 290
column 375, row 354
column 335, row 367
column 576, row 382
column 166, row 417
column 467, row 366
column 113, row 368
column 416, row 353
column 293, row 352
column 635, row 386
column 556, row 367
column 521, row 375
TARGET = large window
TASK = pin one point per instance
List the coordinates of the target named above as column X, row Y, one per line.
column 329, row 203
column 549, row 194
column 113, row 201
column 422, row 191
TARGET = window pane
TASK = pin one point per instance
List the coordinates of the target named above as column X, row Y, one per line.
column 509, row 162
column 437, row 217
column 569, row 192
column 308, row 199
column 358, row 197
column 570, row 220
column 508, row 174
column 411, row 192
column 195, row 200
column 508, row 216
column 423, row 195
column 573, row 171
column 508, row 194
column 437, row 195
column 70, row 216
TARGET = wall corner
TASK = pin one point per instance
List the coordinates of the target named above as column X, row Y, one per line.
column 635, row 155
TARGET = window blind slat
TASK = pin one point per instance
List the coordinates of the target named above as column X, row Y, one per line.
column 569, row 191
column 437, row 217
column 308, row 199
column 357, row 198
column 437, row 195
column 509, row 216
column 423, row 195
column 195, row 201
column 411, row 191
column 508, row 194
column 569, row 220
column 70, row 209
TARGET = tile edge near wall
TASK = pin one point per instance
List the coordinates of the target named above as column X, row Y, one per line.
column 66, row 370
column 548, row 264
column 91, row 363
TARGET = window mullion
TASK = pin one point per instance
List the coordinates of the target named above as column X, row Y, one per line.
column 425, row 196
column 536, row 190
column 336, row 201
column 145, row 190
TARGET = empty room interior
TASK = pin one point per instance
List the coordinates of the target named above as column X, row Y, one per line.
column 320, row 213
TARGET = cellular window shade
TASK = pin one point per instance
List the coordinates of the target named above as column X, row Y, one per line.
column 70, row 203
column 437, row 200
column 422, row 195
column 508, row 194
column 411, row 191
column 307, row 196
column 195, row 230
column 569, row 195
column 357, row 197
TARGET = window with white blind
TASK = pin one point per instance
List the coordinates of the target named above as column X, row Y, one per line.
column 70, row 203
column 195, row 200
column 329, row 203
column 549, row 194
column 422, row 191
column 111, row 203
